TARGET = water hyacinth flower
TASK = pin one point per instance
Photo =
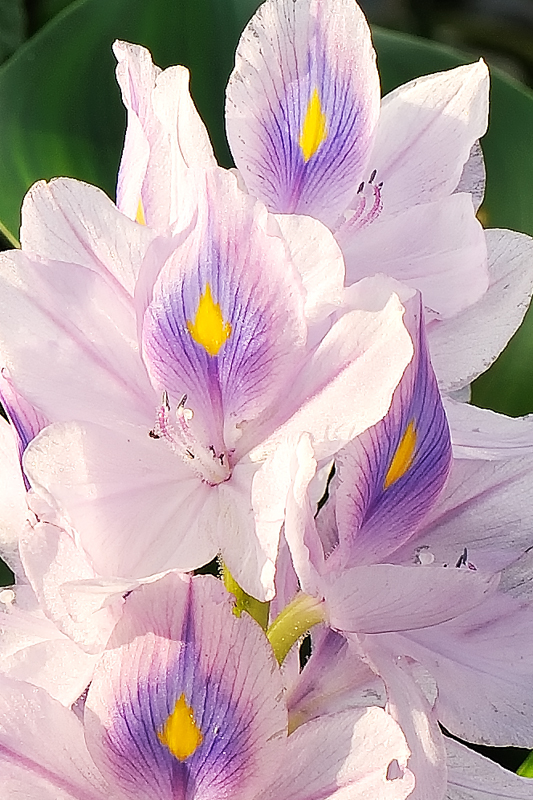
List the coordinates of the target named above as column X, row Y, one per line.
column 187, row 702
column 391, row 179
column 194, row 373
column 310, row 136
column 424, row 559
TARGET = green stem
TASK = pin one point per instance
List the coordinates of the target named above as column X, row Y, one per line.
column 526, row 768
column 245, row 602
column 293, row 623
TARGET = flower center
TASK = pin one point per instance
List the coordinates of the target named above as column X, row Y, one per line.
column 368, row 205
column 211, row 466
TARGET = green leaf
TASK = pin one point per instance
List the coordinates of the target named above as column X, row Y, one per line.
column 12, row 26
column 508, row 385
column 62, row 113
column 42, row 11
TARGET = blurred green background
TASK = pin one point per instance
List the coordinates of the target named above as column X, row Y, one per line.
column 61, row 113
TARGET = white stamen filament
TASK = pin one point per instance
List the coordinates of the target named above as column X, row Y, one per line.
column 210, row 466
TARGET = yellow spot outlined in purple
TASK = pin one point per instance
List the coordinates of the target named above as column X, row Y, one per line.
column 180, row 733
column 403, row 457
column 314, row 130
column 209, row 328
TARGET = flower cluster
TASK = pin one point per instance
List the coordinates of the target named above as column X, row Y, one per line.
column 262, row 370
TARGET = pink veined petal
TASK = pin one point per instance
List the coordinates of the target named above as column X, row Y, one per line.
column 488, row 325
column 236, row 279
column 389, row 477
column 43, row 755
column 134, row 505
column 410, row 703
column 425, row 134
column 385, row 598
column 416, row 246
column 483, row 665
column 471, row 776
column 69, row 342
column 302, row 105
column 482, row 434
column 179, row 641
column 344, row 756
column 484, row 508
column 68, row 220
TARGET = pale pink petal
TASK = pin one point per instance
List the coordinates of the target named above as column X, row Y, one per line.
column 43, row 755
column 425, row 134
column 411, row 693
column 165, row 136
column 482, row 434
column 134, row 504
column 319, row 261
column 13, row 508
column 302, row 105
column 485, row 507
column 67, row 220
column 471, row 776
column 386, row 597
column 346, row 385
column 300, row 530
column 438, row 248
column 176, row 111
column 286, row 583
column 473, row 176
column 51, row 561
column 336, row 678
column 70, row 344
column 230, row 518
column 464, row 347
column 136, row 76
column 33, row 649
column 483, row 665
column 26, row 419
column 344, row 756
column 517, row 578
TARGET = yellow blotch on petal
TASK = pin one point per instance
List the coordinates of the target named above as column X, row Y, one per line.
column 209, row 328
column 314, row 131
column 403, row 457
column 180, row 733
column 139, row 217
